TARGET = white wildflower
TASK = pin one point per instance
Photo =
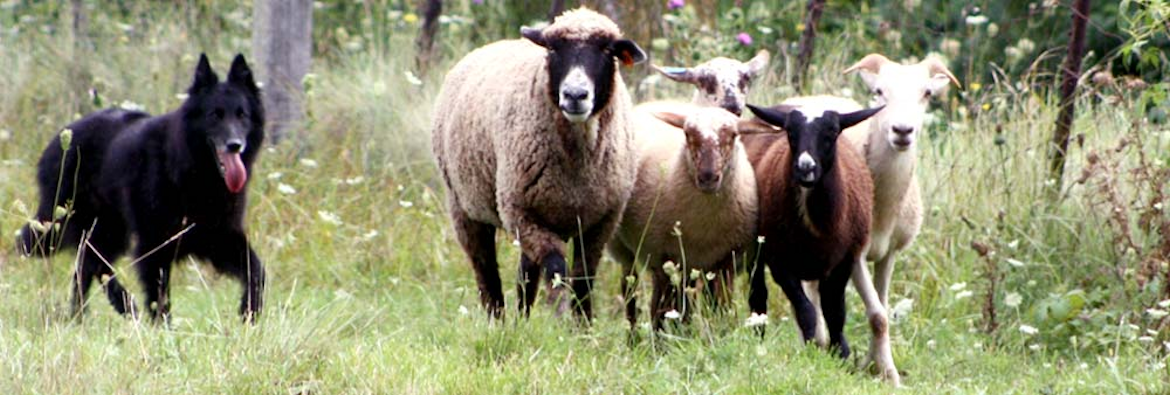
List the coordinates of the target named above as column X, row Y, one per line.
column 131, row 106
column 710, row 276
column 286, row 189
column 958, row 287
column 370, row 235
column 755, row 320
column 1015, row 262
column 902, row 309
column 355, row 180
column 312, row 164
column 1012, row 299
column 963, row 295
column 463, row 310
column 760, row 239
column 1156, row 313
column 1146, row 339
column 1164, row 304
column 1028, row 329
column 405, row 203
column 672, row 315
column 412, row 79
column 5, row 134
column 275, row 175
column 976, row 20
column 329, row 217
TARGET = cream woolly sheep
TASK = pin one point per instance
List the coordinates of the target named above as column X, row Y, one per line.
column 693, row 177
column 533, row 136
column 720, row 82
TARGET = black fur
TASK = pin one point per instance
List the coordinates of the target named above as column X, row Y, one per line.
column 596, row 57
column 128, row 174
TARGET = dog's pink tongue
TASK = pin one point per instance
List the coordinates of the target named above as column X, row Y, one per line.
column 234, row 174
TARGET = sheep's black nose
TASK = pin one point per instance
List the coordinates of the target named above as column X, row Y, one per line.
column 235, row 146
column 575, row 94
column 903, row 130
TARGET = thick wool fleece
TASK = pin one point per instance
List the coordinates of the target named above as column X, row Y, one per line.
column 510, row 158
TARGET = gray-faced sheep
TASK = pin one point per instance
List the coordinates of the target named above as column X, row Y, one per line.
column 720, row 82
column 533, row 136
column 815, row 210
column 694, row 203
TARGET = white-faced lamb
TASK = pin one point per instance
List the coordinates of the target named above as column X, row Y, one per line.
column 720, row 82
column 814, row 214
column 533, row 136
column 694, row 204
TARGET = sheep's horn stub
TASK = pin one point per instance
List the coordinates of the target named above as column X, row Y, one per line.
column 871, row 63
column 936, row 66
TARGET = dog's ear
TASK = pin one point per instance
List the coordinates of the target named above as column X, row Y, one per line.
column 204, row 76
column 241, row 74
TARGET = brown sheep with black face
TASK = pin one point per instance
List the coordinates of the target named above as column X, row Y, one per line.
column 816, row 201
column 532, row 136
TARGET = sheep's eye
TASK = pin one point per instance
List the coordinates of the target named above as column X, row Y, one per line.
column 927, row 94
column 240, row 113
column 877, row 91
column 217, row 113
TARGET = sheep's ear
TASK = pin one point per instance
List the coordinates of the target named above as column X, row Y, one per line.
column 940, row 75
column 627, row 51
column 533, row 34
column 204, row 76
column 849, row 119
column 673, row 118
column 757, row 64
column 775, row 117
column 868, row 67
column 680, row 74
column 755, row 126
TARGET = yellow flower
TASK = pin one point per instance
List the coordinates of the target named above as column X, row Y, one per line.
column 410, row 18
column 800, row 27
column 986, row 106
column 975, row 86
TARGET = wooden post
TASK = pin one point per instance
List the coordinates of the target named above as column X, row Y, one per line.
column 431, row 9
column 1070, row 71
column 807, row 44
column 282, row 50
column 79, row 76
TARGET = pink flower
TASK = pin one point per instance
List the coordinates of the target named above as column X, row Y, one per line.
column 744, row 38
column 675, row 4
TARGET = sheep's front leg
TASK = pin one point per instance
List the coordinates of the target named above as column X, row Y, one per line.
column 875, row 312
column 540, row 249
column 802, row 308
column 884, row 274
column 812, row 289
column 758, row 292
column 587, row 251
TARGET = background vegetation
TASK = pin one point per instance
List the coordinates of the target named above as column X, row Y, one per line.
column 1009, row 289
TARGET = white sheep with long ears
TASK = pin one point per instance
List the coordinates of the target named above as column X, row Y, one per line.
column 720, row 82
column 890, row 152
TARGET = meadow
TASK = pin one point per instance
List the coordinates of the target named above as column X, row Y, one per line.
column 1017, row 283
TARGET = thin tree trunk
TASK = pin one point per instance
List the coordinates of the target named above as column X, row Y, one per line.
column 79, row 72
column 1071, row 71
column 558, row 7
column 282, row 48
column 431, row 9
column 807, row 43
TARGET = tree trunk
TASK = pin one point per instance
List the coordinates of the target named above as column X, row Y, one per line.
column 558, row 7
column 282, row 49
column 431, row 9
column 79, row 76
column 1071, row 71
column 807, row 43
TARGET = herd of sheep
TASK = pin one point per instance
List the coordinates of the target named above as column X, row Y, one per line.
column 539, row 137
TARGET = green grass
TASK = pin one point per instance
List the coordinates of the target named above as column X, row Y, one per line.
column 383, row 301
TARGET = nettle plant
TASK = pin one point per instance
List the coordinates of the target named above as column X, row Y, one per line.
column 737, row 33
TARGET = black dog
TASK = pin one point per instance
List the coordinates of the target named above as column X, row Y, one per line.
column 176, row 182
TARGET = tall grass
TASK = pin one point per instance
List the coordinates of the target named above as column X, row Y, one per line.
column 370, row 293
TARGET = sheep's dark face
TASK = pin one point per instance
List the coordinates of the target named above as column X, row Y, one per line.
column 812, row 138
column 720, row 82
column 581, row 69
column 712, row 142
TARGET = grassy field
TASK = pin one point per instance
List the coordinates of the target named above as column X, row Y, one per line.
column 369, row 292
